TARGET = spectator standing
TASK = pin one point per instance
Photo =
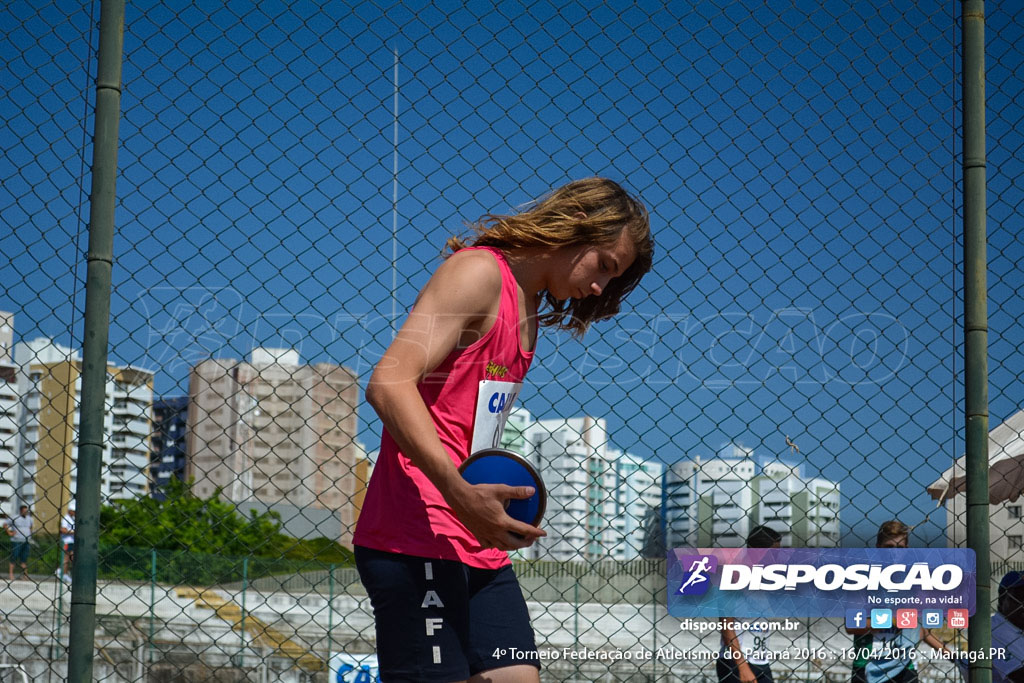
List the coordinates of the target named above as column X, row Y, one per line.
column 19, row 528
column 67, row 540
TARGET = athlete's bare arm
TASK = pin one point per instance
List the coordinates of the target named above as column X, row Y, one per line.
column 732, row 642
column 455, row 308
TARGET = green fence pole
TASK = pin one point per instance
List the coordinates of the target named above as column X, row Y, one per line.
column 330, row 611
column 576, row 617
column 576, row 611
column 654, row 619
column 808, row 648
column 152, row 600
column 241, row 631
column 94, row 348
column 979, row 629
column 58, row 628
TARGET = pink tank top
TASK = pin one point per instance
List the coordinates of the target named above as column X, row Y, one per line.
column 469, row 396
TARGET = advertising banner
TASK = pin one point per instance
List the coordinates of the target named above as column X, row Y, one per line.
column 824, row 582
column 347, row 668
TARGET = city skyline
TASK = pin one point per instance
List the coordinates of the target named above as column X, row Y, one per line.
column 624, row 513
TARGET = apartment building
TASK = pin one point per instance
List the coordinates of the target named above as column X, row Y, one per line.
column 715, row 502
column 572, row 457
column 10, row 401
column 276, row 431
column 168, row 455
column 637, row 491
column 50, row 385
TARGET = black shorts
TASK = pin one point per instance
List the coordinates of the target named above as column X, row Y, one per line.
column 728, row 672
column 424, row 609
column 860, row 675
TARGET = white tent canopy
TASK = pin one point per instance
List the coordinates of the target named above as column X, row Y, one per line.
column 1005, row 466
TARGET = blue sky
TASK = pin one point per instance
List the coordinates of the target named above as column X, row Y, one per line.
column 800, row 166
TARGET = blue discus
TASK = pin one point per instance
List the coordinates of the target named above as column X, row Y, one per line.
column 499, row 466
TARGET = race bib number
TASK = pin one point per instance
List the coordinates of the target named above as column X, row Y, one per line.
column 494, row 401
column 754, row 645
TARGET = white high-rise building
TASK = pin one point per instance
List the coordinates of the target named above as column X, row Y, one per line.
column 598, row 497
column 515, row 436
column 10, row 399
column 637, row 492
column 39, row 352
column 717, row 501
column 572, row 457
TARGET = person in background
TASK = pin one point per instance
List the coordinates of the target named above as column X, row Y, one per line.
column 20, row 530
column 1008, row 630
column 67, row 540
column 896, row 643
column 732, row 665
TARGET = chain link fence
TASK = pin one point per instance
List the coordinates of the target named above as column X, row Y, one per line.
column 288, row 174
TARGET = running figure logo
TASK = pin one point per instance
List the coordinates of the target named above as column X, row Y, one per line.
column 697, row 567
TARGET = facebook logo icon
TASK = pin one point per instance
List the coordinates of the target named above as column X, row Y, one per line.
column 856, row 618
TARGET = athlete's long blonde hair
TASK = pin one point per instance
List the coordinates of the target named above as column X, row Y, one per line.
column 553, row 221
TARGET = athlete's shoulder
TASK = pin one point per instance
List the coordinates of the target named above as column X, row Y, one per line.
column 473, row 267
column 469, row 282
column 480, row 259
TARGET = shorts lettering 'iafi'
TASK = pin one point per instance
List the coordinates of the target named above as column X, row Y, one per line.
column 442, row 620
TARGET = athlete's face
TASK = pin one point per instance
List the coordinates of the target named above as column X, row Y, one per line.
column 586, row 270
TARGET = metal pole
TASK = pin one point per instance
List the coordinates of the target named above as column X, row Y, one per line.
column 241, row 631
column 99, row 258
column 152, row 601
column 808, row 648
column 330, row 610
column 576, row 611
column 663, row 522
column 654, row 618
column 57, row 645
column 979, row 630
column 394, row 207
column 576, row 618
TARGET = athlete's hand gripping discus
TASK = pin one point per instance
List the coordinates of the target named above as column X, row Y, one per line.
column 500, row 466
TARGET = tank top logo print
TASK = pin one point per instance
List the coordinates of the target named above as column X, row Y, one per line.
column 494, row 401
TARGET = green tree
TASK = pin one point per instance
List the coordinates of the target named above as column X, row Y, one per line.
column 321, row 550
column 203, row 541
column 185, row 522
